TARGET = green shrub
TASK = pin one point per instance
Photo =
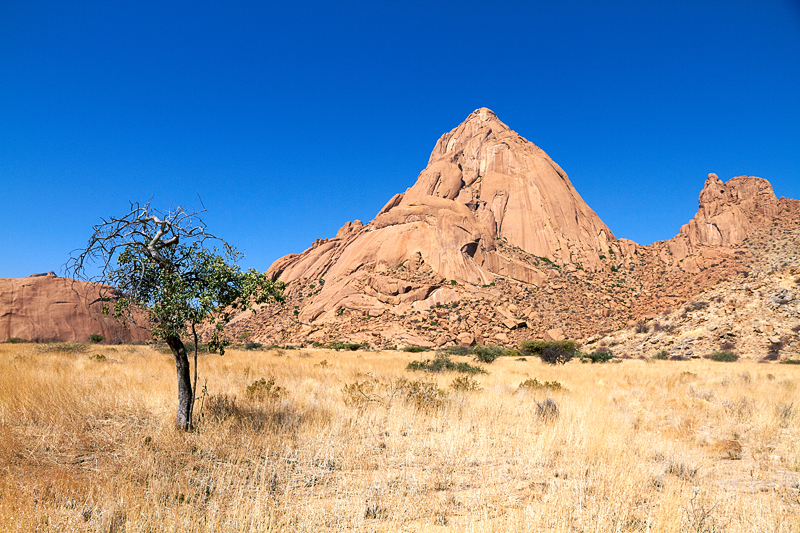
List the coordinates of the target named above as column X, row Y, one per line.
column 599, row 356
column 444, row 364
column 791, row 362
column 96, row 338
column 662, row 355
column 252, row 345
column 16, row 340
column 724, row 356
column 336, row 345
column 457, row 350
column 535, row 384
column 550, row 352
column 97, row 357
column 488, row 353
column 415, row 349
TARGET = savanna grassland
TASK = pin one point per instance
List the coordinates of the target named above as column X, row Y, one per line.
column 338, row 441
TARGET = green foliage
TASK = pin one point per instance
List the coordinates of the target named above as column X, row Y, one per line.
column 550, row 352
column 535, row 384
column 791, row 362
column 253, row 345
column 98, row 357
column 263, row 390
column 202, row 286
column 339, row 345
column 602, row 355
column 442, row 363
column 96, row 338
column 15, row 340
column 488, row 353
column 662, row 355
column 457, row 350
column 415, row 349
column 723, row 356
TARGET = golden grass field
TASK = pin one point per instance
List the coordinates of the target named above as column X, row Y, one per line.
column 89, row 445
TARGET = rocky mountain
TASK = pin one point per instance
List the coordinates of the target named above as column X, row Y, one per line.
column 45, row 307
column 494, row 244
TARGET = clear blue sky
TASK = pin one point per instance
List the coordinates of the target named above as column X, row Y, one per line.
column 291, row 118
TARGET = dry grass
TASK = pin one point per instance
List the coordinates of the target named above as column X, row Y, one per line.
column 86, row 444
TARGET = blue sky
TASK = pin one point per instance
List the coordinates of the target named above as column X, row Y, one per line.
column 290, row 119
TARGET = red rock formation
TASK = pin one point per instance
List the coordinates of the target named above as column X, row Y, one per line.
column 727, row 213
column 44, row 307
column 484, row 184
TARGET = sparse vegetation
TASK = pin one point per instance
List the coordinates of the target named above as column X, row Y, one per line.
column 661, row 354
column 723, row 356
column 601, row 355
column 535, row 384
column 96, row 338
column 442, row 363
column 416, row 349
column 550, row 352
column 359, row 446
column 15, row 340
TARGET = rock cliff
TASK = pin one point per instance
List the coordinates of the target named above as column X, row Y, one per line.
column 484, row 185
column 492, row 244
column 44, row 307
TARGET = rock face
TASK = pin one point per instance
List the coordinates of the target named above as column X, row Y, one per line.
column 484, row 185
column 492, row 244
column 44, row 307
column 726, row 215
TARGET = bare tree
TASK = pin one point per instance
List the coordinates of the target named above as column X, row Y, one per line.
column 160, row 273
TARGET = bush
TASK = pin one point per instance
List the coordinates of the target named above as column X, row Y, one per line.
column 641, row 327
column 98, row 357
column 488, row 353
column 443, row 364
column 550, row 352
column 724, row 356
column 252, row 345
column 465, row 384
column 663, row 355
column 415, row 349
column 15, row 340
column 337, row 345
column 535, row 384
column 791, row 361
column 457, row 350
column 263, row 389
column 361, row 393
column 423, row 395
column 96, row 338
column 599, row 356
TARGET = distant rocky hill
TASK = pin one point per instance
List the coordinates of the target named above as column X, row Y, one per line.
column 45, row 307
column 493, row 244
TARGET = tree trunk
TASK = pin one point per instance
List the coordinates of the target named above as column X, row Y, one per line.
column 183, row 419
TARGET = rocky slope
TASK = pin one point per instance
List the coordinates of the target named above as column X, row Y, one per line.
column 45, row 307
column 493, row 244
